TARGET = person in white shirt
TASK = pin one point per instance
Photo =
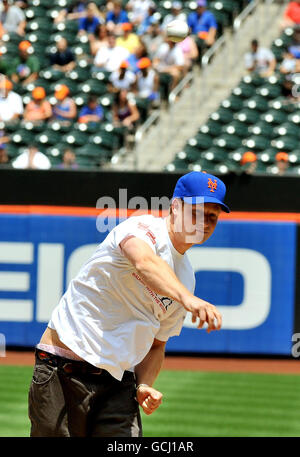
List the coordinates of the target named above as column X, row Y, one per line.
column 11, row 104
column 260, row 59
column 105, row 342
column 176, row 14
column 33, row 159
column 110, row 57
column 12, row 18
column 122, row 78
column 138, row 10
column 169, row 59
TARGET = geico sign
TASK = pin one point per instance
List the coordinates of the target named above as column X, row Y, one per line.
column 49, row 286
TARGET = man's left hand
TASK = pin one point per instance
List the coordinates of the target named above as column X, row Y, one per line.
column 149, row 399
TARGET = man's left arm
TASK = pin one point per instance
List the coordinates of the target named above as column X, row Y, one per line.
column 146, row 372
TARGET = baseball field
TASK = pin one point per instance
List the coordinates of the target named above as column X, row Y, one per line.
column 202, row 398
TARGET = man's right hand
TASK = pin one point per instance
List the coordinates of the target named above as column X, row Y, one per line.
column 205, row 311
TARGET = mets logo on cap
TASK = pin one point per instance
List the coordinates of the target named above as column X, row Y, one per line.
column 198, row 187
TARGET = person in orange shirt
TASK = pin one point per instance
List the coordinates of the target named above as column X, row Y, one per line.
column 65, row 109
column 291, row 15
column 249, row 162
column 282, row 162
column 38, row 109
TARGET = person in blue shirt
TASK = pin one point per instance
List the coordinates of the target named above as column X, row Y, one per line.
column 89, row 23
column 203, row 23
column 116, row 17
column 92, row 112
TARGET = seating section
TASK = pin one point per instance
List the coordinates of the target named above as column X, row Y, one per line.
column 255, row 117
column 93, row 145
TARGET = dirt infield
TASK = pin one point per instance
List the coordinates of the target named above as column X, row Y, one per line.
column 277, row 366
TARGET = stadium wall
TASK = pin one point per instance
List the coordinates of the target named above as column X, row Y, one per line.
column 249, row 268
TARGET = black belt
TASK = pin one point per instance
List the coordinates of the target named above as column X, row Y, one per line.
column 67, row 365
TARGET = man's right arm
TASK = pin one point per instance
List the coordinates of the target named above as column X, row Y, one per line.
column 160, row 277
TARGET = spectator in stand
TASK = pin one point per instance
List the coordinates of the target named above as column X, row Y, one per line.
column 110, row 57
column 282, row 163
column 4, row 138
column 147, row 84
column 65, row 109
column 90, row 22
column 294, row 47
column 203, row 24
column 76, row 10
column 4, row 64
column 153, row 39
column 190, row 51
column 291, row 15
column 290, row 64
column 38, row 109
column 98, row 39
column 138, row 10
column 147, row 22
column 92, row 112
column 12, row 18
column 140, row 51
column 260, row 60
column 290, row 90
column 125, row 111
column 116, row 17
column 68, row 160
column 33, row 159
column 176, row 14
column 4, row 159
column 249, row 162
column 128, row 40
column 63, row 59
column 169, row 59
column 11, row 105
column 122, row 78
column 25, row 67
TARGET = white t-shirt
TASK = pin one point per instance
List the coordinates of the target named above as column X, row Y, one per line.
column 139, row 9
column 169, row 56
column 172, row 17
column 145, row 84
column 125, row 83
column 12, row 18
column 108, row 316
column 10, row 106
column 40, row 161
column 111, row 58
column 262, row 58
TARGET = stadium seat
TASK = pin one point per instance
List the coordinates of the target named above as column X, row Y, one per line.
column 244, row 90
column 247, row 116
column 288, row 129
column 75, row 138
column 48, row 137
column 269, row 91
column 274, row 117
column 234, row 103
column 267, row 156
column 257, row 103
column 106, row 140
column 229, row 142
column 201, row 141
column 285, row 143
column 91, row 86
column 211, row 128
column 22, row 137
column 236, row 128
column 262, row 128
column 256, row 143
column 222, row 116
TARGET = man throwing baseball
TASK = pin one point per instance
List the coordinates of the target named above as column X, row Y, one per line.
column 104, row 345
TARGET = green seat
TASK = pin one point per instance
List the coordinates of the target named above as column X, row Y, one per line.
column 101, row 75
column 40, row 82
column 40, row 23
column 34, row 127
column 215, row 155
column 294, row 157
column 269, row 91
column 80, row 99
column 79, row 74
column 106, row 140
column 75, row 138
column 12, row 126
column 192, row 154
column 100, row 154
column 237, row 154
column 22, row 137
column 274, row 117
column 236, row 128
column 229, row 142
column 70, row 84
column 90, row 127
column 281, row 103
column 223, row 116
column 51, row 74
column 92, row 86
column 202, row 165
column 288, row 129
column 211, row 128
column 256, row 143
column 234, row 103
column 262, row 128
column 285, row 143
column 247, row 116
column 48, row 137
column 244, row 90
column 257, row 103
column 56, row 151
column 267, row 156
column 59, row 127
column 87, row 162
column 225, row 167
column 254, row 80
column 13, row 150
column 294, row 118
column 201, row 141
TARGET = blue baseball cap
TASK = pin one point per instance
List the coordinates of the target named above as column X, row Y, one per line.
column 196, row 186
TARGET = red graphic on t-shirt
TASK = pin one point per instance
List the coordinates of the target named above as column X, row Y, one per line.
column 148, row 231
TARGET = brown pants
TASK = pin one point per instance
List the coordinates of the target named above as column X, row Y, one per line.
column 82, row 404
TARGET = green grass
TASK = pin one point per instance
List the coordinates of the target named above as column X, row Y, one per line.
column 195, row 404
